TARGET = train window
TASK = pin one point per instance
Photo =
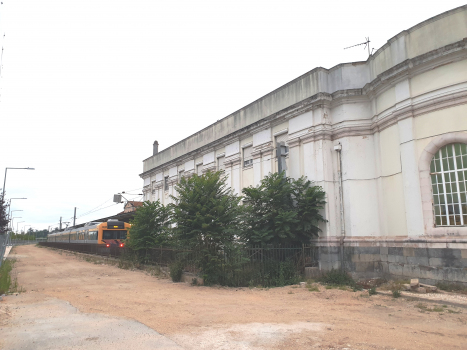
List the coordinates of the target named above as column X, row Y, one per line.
column 93, row 235
column 114, row 234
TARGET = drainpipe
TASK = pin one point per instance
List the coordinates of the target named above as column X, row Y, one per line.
column 338, row 149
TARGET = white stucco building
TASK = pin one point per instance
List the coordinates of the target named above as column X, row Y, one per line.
column 366, row 132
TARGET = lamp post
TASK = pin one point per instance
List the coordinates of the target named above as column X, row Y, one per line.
column 17, row 230
column 24, row 228
column 12, row 225
column 9, row 206
column 4, row 180
column 16, row 217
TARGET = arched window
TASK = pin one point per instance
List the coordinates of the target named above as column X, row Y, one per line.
column 448, row 170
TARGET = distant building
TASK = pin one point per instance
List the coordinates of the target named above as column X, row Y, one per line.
column 131, row 206
column 385, row 138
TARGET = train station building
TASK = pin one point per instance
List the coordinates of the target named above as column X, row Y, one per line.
column 385, row 138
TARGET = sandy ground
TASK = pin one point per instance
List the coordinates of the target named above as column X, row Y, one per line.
column 91, row 305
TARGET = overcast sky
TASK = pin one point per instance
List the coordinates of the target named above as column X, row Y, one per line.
column 87, row 86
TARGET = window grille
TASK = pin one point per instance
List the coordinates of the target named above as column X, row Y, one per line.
column 247, row 158
column 166, row 183
column 448, row 170
column 220, row 163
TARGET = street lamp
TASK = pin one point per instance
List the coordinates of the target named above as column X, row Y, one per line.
column 12, row 225
column 16, row 217
column 17, row 230
column 4, row 181
column 24, row 228
column 9, row 206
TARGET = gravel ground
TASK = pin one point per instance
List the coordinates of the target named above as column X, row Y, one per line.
column 214, row 318
column 52, row 323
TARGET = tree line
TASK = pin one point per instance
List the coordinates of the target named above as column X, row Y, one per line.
column 206, row 216
column 206, row 213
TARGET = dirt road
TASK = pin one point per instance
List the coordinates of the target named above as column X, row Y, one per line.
column 192, row 317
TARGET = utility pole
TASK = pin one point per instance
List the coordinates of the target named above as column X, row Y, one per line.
column 60, row 223
column 74, row 218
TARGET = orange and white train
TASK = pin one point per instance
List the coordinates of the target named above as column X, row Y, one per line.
column 110, row 233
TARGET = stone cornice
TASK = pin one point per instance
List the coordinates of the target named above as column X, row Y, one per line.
column 263, row 150
column 407, row 69
column 209, row 167
column 415, row 66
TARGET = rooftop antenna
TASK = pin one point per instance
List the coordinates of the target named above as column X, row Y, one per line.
column 367, row 46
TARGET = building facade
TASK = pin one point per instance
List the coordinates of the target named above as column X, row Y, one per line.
column 385, row 138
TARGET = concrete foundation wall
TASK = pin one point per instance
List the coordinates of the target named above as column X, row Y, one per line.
column 430, row 262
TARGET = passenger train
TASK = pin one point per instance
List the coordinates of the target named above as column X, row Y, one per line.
column 110, row 233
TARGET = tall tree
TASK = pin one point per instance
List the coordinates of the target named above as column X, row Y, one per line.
column 207, row 218
column 3, row 214
column 206, row 212
column 150, row 226
column 283, row 211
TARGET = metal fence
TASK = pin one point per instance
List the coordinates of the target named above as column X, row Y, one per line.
column 4, row 240
column 262, row 265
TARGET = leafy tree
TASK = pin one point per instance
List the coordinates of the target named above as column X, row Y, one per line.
column 206, row 212
column 150, row 226
column 207, row 216
column 3, row 215
column 283, row 211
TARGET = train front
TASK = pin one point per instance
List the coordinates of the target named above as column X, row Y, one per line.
column 114, row 233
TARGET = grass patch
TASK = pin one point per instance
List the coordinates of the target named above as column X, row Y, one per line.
column 396, row 293
column 372, row 291
column 5, row 278
column 313, row 289
column 394, row 285
column 7, row 285
column 425, row 308
column 453, row 311
column 452, row 287
column 371, row 283
column 337, row 278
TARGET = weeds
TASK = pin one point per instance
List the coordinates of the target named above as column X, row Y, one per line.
column 337, row 279
column 453, row 312
column 5, row 278
column 372, row 291
column 396, row 293
column 424, row 308
column 392, row 286
column 176, row 271
column 313, row 289
column 7, row 285
column 452, row 287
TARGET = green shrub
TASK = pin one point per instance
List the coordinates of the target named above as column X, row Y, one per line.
column 176, row 271
column 282, row 210
column 372, row 291
column 5, row 279
column 337, row 278
column 396, row 293
column 313, row 289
